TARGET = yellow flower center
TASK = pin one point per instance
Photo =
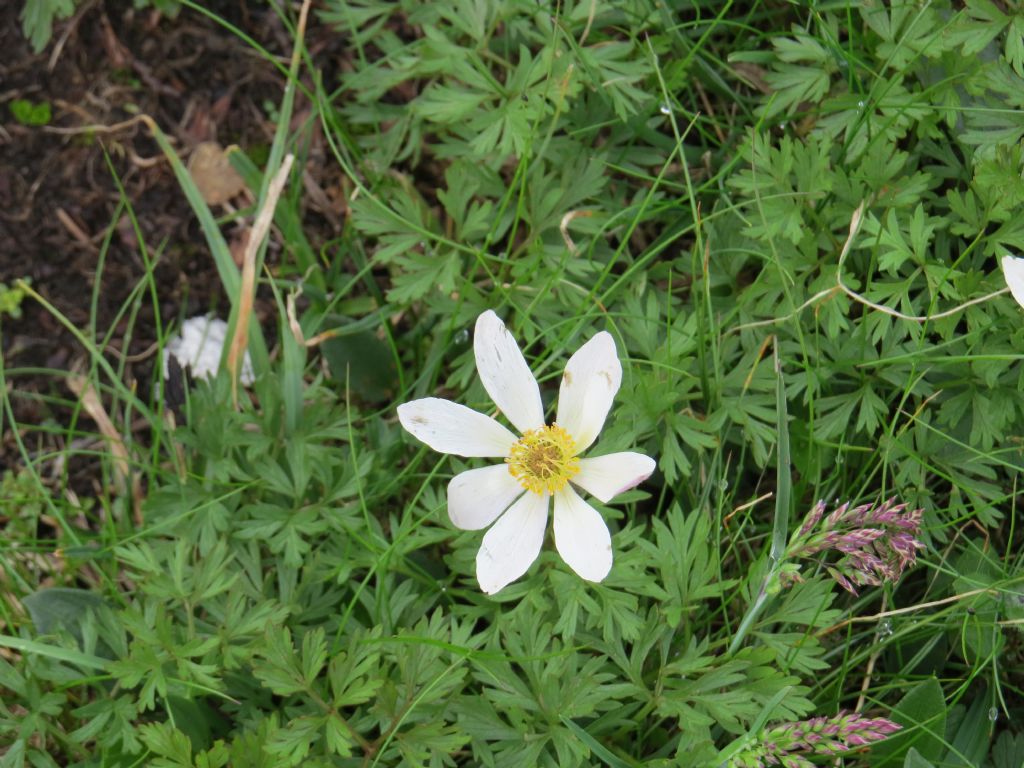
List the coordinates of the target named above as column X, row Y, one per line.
column 543, row 459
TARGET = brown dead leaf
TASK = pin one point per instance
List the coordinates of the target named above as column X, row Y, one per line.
column 752, row 75
column 126, row 480
column 92, row 404
column 213, row 174
column 239, row 242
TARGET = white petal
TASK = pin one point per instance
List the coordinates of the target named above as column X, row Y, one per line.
column 608, row 476
column 198, row 346
column 1013, row 271
column 591, row 379
column 452, row 428
column 581, row 537
column 512, row 543
column 476, row 497
column 505, row 374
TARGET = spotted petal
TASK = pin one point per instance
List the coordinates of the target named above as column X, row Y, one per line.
column 476, row 497
column 512, row 543
column 452, row 428
column 581, row 536
column 591, row 379
column 608, row 476
column 505, row 374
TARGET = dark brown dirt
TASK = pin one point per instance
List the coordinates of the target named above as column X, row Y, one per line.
column 62, row 218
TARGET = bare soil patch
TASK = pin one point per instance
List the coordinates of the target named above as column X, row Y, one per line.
column 63, row 220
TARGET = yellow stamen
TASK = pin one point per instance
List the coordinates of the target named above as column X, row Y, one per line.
column 544, row 459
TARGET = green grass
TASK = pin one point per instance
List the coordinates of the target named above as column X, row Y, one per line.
column 290, row 589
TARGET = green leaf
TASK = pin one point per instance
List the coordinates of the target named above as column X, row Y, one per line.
column 196, row 719
column 1014, row 48
column 364, row 362
column 27, row 113
column 14, row 757
column 61, row 607
column 801, row 73
column 998, row 182
column 922, row 713
column 314, row 654
column 37, row 19
column 981, row 24
column 616, row 72
column 914, row 760
column 293, row 741
column 969, row 732
column 355, row 675
column 280, row 672
column 339, row 740
column 978, row 636
column 690, row 572
column 165, row 740
column 447, row 104
column 1009, row 750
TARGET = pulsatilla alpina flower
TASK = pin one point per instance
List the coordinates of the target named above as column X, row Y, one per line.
column 541, row 465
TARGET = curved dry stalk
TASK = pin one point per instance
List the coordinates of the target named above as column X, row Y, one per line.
column 247, row 291
column 564, row 228
column 907, row 609
column 841, row 287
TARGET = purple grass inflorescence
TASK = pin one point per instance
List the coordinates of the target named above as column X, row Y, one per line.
column 789, row 744
column 875, row 544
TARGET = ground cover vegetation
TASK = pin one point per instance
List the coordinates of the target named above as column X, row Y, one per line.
column 787, row 222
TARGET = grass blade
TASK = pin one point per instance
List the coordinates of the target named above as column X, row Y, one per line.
column 783, row 495
column 595, row 746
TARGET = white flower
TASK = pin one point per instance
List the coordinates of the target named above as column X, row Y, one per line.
column 540, row 465
column 1013, row 271
column 199, row 345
